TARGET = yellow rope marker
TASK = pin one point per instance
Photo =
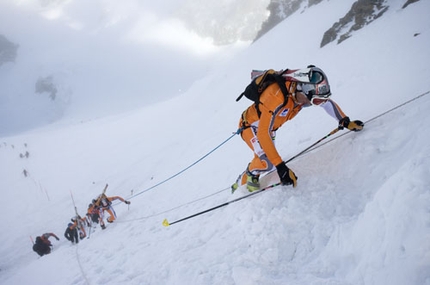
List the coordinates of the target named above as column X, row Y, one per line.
column 166, row 223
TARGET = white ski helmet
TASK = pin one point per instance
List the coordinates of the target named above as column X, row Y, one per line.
column 318, row 88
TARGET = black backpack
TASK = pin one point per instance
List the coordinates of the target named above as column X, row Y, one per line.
column 40, row 247
column 254, row 89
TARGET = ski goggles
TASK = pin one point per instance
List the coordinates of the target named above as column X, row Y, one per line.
column 315, row 77
column 317, row 92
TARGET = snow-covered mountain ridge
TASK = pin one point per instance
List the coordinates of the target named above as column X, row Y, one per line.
column 360, row 14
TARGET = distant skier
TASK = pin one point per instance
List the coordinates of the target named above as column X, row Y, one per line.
column 71, row 233
column 80, row 224
column 42, row 245
column 94, row 214
column 105, row 204
column 260, row 123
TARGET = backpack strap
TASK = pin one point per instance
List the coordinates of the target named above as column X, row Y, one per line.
column 240, row 96
column 279, row 79
column 261, row 82
column 281, row 82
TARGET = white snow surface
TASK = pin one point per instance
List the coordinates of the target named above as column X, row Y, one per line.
column 359, row 215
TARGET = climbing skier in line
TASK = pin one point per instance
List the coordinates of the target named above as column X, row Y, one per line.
column 105, row 204
column 80, row 223
column 43, row 245
column 95, row 214
column 260, row 123
column 71, row 233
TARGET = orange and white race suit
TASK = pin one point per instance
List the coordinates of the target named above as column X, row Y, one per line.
column 259, row 129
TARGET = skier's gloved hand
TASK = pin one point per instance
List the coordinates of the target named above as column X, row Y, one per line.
column 355, row 126
column 57, row 238
column 286, row 175
column 127, row 202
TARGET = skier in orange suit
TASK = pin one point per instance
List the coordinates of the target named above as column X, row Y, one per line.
column 260, row 123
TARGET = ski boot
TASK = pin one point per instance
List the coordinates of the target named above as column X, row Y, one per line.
column 252, row 183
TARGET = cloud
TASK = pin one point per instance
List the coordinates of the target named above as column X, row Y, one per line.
column 170, row 33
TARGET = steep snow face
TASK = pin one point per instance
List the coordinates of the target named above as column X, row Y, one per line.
column 359, row 214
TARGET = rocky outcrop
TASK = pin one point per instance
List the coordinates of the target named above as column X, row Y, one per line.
column 8, row 50
column 409, row 2
column 46, row 85
column 279, row 10
column 362, row 13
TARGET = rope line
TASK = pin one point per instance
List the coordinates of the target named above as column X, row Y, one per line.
column 177, row 207
column 398, row 106
column 205, row 197
column 311, row 149
column 80, row 266
column 372, row 119
column 238, row 132
column 188, row 167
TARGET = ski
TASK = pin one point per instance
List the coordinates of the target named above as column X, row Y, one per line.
column 166, row 223
column 101, row 195
column 98, row 202
column 74, row 205
column 90, row 221
column 77, row 217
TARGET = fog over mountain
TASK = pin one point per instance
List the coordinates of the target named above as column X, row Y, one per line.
column 60, row 58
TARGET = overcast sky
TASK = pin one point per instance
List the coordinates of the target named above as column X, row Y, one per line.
column 107, row 56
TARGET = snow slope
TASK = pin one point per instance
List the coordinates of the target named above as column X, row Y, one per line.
column 359, row 215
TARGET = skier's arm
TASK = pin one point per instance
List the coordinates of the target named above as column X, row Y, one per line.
column 113, row 198
column 333, row 109
column 119, row 198
column 48, row 235
column 336, row 112
column 67, row 233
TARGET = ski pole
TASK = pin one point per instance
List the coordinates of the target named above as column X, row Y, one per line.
column 167, row 223
column 78, row 225
column 314, row 144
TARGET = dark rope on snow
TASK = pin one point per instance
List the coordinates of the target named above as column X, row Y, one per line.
column 188, row 167
column 372, row 119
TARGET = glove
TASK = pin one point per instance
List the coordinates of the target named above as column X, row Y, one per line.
column 355, row 126
column 127, row 202
column 57, row 238
column 286, row 175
